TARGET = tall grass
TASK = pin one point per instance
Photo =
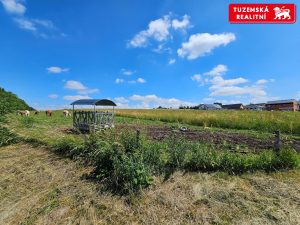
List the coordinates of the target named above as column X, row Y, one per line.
column 126, row 163
column 7, row 137
column 287, row 122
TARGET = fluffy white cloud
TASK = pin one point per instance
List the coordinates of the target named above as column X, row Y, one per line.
column 219, row 81
column 88, row 91
column 139, row 80
column 40, row 28
column 36, row 26
column 44, row 23
column 56, row 69
column 261, row 82
column 219, row 70
column 53, row 96
column 127, row 72
column 171, row 61
column 149, row 101
column 79, row 87
column 234, row 90
column 197, row 78
column 25, row 24
column 76, row 97
column 221, row 87
column 203, row 43
column 13, row 6
column 121, row 100
column 119, row 81
column 159, row 30
column 75, row 85
column 181, row 24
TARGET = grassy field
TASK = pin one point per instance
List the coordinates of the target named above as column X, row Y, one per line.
column 215, row 175
column 287, row 122
column 39, row 187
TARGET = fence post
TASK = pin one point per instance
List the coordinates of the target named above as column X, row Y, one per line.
column 277, row 143
column 138, row 138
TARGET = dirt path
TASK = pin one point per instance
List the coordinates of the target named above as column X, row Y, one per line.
column 37, row 187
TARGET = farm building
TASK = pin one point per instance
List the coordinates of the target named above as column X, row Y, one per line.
column 283, row 105
column 92, row 120
column 256, row 107
column 234, row 106
column 210, row 107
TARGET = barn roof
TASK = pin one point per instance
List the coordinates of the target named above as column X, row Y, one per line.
column 212, row 106
column 233, row 106
column 95, row 102
column 281, row 101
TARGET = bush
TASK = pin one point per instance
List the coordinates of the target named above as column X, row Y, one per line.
column 68, row 147
column 127, row 165
column 27, row 122
column 7, row 137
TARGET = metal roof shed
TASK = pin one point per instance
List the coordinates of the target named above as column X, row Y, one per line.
column 85, row 120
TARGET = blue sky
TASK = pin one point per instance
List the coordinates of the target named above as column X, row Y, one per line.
column 143, row 53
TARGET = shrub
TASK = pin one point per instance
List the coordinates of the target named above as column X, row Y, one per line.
column 68, row 147
column 7, row 137
column 129, row 173
column 27, row 122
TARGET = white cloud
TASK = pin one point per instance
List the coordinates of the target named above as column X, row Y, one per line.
column 76, row 97
column 75, row 85
column 219, row 81
column 121, row 100
column 56, row 69
column 119, row 81
column 80, row 88
column 197, row 78
column 234, row 90
column 139, row 80
column 181, row 25
column 157, row 29
column 53, row 96
column 14, row 6
column 219, row 86
column 261, row 82
column 161, row 49
column 219, row 70
column 45, row 23
column 203, row 43
column 88, row 91
column 127, row 72
column 150, row 101
column 39, row 27
column 171, row 61
column 25, row 24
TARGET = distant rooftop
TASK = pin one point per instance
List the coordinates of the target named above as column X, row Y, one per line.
column 232, row 106
column 282, row 101
column 95, row 102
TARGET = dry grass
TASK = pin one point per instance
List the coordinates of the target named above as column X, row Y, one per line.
column 38, row 187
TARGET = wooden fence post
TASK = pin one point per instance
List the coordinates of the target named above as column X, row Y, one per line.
column 138, row 138
column 277, row 143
